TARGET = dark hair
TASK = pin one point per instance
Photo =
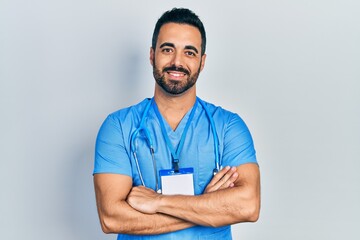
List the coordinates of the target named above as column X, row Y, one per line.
column 181, row 16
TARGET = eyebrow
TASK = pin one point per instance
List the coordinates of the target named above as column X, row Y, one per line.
column 167, row 44
column 190, row 47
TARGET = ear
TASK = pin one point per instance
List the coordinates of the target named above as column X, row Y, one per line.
column 152, row 56
column 203, row 58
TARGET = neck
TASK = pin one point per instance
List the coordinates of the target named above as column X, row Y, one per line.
column 174, row 107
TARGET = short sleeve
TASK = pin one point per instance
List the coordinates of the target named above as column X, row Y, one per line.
column 110, row 153
column 238, row 144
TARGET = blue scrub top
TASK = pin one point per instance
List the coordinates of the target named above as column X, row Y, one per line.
column 113, row 153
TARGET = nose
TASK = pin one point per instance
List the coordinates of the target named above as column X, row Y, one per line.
column 177, row 59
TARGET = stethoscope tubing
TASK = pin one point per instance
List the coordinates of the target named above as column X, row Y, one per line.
column 133, row 145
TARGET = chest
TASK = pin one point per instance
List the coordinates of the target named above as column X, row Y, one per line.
column 198, row 152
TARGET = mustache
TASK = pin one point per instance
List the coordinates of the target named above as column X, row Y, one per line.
column 175, row 68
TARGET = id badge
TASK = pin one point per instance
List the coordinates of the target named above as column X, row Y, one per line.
column 181, row 182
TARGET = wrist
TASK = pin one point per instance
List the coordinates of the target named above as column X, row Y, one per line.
column 159, row 202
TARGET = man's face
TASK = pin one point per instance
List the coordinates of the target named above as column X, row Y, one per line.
column 177, row 59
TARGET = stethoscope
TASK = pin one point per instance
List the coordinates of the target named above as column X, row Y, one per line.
column 142, row 128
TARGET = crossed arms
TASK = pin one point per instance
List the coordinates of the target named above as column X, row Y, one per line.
column 232, row 196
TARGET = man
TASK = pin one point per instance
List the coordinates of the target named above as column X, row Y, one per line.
column 177, row 136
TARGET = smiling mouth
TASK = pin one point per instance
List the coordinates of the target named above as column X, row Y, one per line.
column 176, row 74
column 175, row 71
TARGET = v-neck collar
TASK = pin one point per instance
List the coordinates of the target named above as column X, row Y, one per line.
column 180, row 127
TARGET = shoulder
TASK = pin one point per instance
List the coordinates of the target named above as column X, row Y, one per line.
column 129, row 113
column 125, row 118
column 234, row 136
column 219, row 113
column 225, row 121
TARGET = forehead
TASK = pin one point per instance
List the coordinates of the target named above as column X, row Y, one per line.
column 179, row 34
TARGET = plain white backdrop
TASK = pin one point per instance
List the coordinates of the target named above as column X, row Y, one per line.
column 291, row 69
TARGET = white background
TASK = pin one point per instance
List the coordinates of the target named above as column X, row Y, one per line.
column 289, row 68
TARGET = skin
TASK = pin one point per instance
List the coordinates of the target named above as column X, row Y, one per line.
column 233, row 194
column 234, row 205
column 117, row 216
column 184, row 39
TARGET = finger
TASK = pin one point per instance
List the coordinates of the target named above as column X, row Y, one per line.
column 226, row 179
column 216, row 178
column 230, row 182
column 219, row 175
column 220, row 179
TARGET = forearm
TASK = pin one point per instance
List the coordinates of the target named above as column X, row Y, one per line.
column 124, row 219
column 218, row 208
column 117, row 216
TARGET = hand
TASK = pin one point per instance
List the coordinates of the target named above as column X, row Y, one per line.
column 225, row 178
column 143, row 199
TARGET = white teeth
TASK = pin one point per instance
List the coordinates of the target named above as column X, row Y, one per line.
column 176, row 74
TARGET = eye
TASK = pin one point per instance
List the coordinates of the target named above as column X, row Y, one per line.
column 190, row 53
column 167, row 50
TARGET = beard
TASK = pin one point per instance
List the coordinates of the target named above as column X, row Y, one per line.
column 175, row 87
